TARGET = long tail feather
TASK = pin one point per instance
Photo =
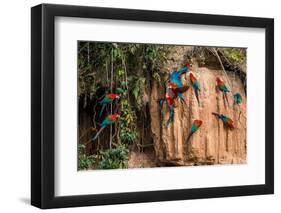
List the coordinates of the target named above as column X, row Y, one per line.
column 181, row 98
column 234, row 103
column 98, row 133
column 189, row 136
column 161, row 102
column 226, row 98
column 197, row 95
column 171, row 118
column 216, row 114
column 101, row 111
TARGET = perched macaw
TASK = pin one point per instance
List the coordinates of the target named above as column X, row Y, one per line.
column 195, row 85
column 110, row 119
column 175, row 77
column 108, row 98
column 172, row 93
column 226, row 120
column 175, row 91
column 195, row 126
column 237, row 98
column 169, row 100
column 222, row 87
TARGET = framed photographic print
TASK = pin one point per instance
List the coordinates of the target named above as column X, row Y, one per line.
column 139, row 106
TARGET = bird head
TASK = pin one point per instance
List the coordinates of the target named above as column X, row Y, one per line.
column 116, row 115
column 113, row 96
column 171, row 85
column 218, row 80
column 198, row 122
column 188, row 65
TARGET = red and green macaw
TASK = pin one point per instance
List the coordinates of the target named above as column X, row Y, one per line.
column 110, row 119
column 223, row 88
column 237, row 98
column 226, row 120
column 175, row 77
column 172, row 93
column 195, row 85
column 108, row 98
column 175, row 91
column 195, row 126
column 169, row 100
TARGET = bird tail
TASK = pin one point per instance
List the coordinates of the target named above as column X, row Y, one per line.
column 181, row 98
column 234, row 102
column 216, row 114
column 226, row 98
column 171, row 118
column 161, row 102
column 101, row 111
column 189, row 136
column 197, row 95
column 98, row 133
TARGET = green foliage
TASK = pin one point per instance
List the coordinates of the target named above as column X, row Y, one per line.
column 134, row 66
column 236, row 55
column 128, row 135
column 122, row 92
column 85, row 161
column 116, row 158
column 137, row 91
column 128, row 131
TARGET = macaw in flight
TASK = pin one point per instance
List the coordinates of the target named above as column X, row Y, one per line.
column 109, row 120
column 195, row 85
column 226, row 120
column 195, row 126
column 108, row 98
column 223, row 88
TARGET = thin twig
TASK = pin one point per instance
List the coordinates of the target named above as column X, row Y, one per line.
column 111, row 80
column 217, row 55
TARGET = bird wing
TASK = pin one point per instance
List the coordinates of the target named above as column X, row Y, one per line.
column 193, row 128
column 182, row 70
column 182, row 89
column 105, row 100
column 175, row 78
column 230, row 123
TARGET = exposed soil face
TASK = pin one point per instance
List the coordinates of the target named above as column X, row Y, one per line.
column 213, row 143
column 142, row 158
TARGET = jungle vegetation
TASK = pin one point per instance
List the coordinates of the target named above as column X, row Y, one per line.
column 129, row 70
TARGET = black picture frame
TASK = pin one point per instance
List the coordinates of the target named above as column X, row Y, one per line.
column 43, row 117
